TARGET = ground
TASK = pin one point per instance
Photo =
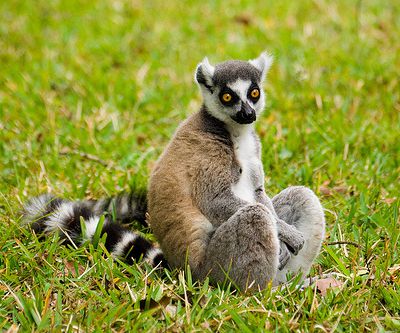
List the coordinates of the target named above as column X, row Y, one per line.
column 91, row 92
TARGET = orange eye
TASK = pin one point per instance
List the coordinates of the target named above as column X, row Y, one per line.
column 255, row 93
column 226, row 97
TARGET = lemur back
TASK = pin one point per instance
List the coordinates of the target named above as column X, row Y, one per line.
column 173, row 216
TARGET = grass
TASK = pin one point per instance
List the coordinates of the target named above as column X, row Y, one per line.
column 113, row 79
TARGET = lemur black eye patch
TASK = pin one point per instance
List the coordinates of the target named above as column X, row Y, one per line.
column 228, row 97
column 253, row 93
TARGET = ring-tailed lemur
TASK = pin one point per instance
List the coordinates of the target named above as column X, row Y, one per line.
column 206, row 200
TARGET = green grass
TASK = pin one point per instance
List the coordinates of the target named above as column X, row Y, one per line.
column 114, row 78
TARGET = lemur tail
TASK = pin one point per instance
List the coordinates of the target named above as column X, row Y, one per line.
column 48, row 214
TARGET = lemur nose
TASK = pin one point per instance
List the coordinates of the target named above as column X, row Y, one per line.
column 247, row 111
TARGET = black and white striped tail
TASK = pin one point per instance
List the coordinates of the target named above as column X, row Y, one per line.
column 48, row 214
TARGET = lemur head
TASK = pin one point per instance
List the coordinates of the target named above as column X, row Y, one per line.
column 232, row 90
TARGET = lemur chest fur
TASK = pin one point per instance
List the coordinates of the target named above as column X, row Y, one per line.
column 251, row 176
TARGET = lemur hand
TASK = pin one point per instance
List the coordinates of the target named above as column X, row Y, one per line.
column 288, row 234
column 284, row 255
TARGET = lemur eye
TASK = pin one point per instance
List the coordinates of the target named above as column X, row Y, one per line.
column 255, row 93
column 226, row 97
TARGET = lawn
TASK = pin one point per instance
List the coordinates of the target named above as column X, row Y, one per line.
column 92, row 91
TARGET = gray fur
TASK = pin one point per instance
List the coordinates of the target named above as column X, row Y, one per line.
column 288, row 234
column 196, row 207
column 244, row 247
column 300, row 207
column 212, row 189
column 230, row 71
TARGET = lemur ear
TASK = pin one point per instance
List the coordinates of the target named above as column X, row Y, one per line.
column 262, row 63
column 204, row 73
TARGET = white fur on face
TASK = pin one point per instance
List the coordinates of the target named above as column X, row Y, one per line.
column 260, row 105
column 214, row 106
column 241, row 88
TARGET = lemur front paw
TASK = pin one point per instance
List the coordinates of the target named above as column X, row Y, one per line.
column 284, row 255
column 295, row 241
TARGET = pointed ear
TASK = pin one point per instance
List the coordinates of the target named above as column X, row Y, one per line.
column 204, row 73
column 262, row 63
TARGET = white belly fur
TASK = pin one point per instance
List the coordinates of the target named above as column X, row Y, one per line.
column 246, row 155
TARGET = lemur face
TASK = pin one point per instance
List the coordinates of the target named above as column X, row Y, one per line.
column 232, row 90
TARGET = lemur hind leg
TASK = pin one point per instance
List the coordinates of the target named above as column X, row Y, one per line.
column 245, row 248
column 300, row 207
